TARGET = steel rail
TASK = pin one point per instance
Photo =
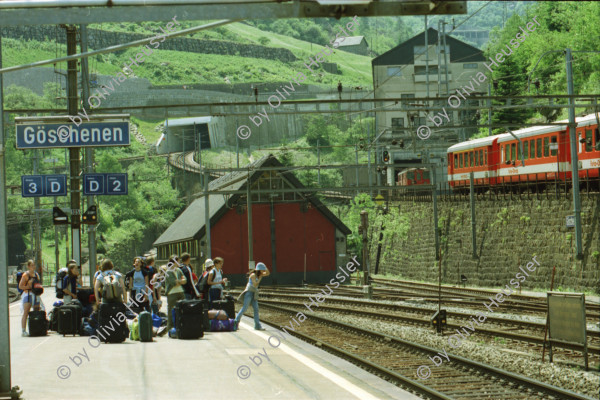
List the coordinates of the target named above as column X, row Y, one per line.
column 505, row 375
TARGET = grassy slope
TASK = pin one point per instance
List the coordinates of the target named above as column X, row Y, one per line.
column 174, row 67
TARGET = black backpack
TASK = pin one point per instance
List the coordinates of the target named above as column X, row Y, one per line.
column 60, row 276
column 202, row 284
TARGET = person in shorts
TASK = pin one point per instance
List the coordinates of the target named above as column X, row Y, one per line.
column 29, row 299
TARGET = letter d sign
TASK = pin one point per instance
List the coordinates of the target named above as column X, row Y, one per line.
column 54, row 187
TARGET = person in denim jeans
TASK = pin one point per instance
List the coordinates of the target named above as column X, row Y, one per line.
column 250, row 295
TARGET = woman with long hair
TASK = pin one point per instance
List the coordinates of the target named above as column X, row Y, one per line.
column 28, row 279
column 250, row 295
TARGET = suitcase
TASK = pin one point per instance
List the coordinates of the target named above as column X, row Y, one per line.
column 145, row 326
column 73, row 326
column 38, row 325
column 83, row 295
column 66, row 323
column 205, row 320
column 110, row 329
column 217, row 314
column 188, row 319
column 53, row 316
column 227, row 305
column 217, row 325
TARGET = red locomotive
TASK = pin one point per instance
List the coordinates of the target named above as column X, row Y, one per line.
column 496, row 160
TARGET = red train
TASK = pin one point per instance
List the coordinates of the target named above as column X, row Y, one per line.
column 496, row 160
column 413, row 176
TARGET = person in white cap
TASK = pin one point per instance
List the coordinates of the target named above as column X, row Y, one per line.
column 250, row 295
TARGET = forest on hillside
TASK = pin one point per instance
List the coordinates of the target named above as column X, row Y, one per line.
column 574, row 25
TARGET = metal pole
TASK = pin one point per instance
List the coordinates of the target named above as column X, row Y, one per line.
column 445, row 56
column 75, row 167
column 364, row 221
column 489, row 104
column 426, row 59
column 36, row 227
column 56, row 249
column 473, row 221
column 249, row 206
column 439, row 63
column 89, row 155
column 237, row 151
column 574, row 160
column 435, row 215
column 370, row 179
column 356, row 152
column 207, row 216
column 318, row 163
column 5, row 374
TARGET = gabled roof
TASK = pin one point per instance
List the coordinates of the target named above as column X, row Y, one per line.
column 349, row 41
column 403, row 54
column 191, row 223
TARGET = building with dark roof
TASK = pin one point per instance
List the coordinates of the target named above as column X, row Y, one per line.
column 354, row 44
column 293, row 233
column 406, row 72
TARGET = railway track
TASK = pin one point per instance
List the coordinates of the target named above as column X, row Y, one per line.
column 459, row 378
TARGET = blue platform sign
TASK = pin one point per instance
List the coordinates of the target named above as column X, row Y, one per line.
column 43, row 185
column 104, row 184
column 87, row 134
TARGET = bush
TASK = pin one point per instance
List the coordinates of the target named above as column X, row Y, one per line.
column 263, row 40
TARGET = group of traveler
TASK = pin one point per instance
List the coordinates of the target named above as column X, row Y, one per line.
column 146, row 284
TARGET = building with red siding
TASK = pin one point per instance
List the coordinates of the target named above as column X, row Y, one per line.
column 293, row 233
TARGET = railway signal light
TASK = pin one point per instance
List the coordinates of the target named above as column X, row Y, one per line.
column 59, row 217
column 90, row 217
column 439, row 320
column 386, row 156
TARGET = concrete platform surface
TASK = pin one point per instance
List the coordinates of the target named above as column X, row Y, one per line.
column 222, row 365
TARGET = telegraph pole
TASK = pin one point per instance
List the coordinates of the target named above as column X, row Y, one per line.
column 574, row 160
column 89, row 154
column 74, row 160
column 5, row 378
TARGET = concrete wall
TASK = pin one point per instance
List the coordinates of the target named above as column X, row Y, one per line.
column 509, row 234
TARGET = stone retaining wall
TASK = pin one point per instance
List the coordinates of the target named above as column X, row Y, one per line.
column 509, row 234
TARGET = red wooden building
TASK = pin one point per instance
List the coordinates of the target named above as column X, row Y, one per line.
column 291, row 231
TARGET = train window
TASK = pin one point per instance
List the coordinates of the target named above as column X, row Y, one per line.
column 588, row 141
column 554, row 152
column 506, row 153
column 470, row 159
column 480, row 157
column 460, row 157
column 456, row 161
column 425, row 175
column 539, row 148
column 532, row 150
column 546, row 146
column 486, row 159
column 513, row 152
column 597, row 139
column 476, row 159
column 526, row 150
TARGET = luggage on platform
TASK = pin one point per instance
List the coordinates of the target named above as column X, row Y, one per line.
column 53, row 317
column 110, row 328
column 217, row 314
column 145, row 326
column 222, row 325
column 227, row 305
column 38, row 325
column 188, row 319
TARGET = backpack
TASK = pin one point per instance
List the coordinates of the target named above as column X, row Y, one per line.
column 19, row 276
column 60, row 276
column 202, row 284
column 111, row 288
column 134, row 332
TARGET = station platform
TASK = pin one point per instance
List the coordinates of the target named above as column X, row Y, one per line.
column 167, row 368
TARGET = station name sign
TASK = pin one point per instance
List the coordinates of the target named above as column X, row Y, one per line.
column 93, row 134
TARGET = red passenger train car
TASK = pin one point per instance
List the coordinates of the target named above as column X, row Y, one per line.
column 496, row 160
column 413, row 176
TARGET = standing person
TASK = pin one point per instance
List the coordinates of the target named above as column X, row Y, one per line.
column 26, row 283
column 174, row 282
column 153, row 287
column 70, row 283
column 188, row 288
column 202, row 285
column 107, row 268
column 216, row 280
column 250, row 295
column 138, row 282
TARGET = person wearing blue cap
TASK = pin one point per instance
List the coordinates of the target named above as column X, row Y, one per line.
column 250, row 295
